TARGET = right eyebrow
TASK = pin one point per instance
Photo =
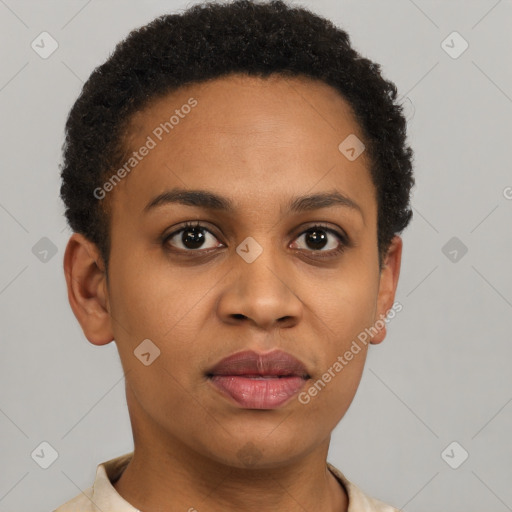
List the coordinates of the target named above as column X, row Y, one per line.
column 199, row 198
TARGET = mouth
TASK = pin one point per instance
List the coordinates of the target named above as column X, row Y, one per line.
column 259, row 381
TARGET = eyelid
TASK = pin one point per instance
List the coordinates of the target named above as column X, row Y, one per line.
column 327, row 227
column 189, row 224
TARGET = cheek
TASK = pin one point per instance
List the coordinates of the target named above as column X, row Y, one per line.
column 332, row 389
column 346, row 304
column 145, row 306
column 343, row 311
column 329, row 394
column 151, row 300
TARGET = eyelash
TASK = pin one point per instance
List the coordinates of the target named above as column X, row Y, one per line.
column 344, row 242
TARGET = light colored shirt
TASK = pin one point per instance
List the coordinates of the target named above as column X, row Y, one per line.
column 102, row 495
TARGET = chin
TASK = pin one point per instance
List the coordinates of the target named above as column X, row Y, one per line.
column 273, row 449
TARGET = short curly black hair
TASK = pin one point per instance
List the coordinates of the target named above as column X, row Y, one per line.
column 212, row 40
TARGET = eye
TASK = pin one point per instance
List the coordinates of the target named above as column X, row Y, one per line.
column 192, row 236
column 317, row 238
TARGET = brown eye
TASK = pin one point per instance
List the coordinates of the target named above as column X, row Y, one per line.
column 321, row 241
column 317, row 238
column 190, row 238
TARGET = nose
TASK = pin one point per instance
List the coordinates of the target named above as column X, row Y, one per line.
column 262, row 292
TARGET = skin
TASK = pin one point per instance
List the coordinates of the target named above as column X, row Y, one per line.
column 259, row 142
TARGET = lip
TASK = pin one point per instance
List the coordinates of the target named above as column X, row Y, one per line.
column 259, row 380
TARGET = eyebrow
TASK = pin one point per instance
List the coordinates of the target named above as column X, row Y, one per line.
column 212, row 201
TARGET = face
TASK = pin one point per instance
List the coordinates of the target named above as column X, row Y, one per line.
column 270, row 272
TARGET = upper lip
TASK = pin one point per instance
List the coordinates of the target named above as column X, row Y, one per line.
column 249, row 362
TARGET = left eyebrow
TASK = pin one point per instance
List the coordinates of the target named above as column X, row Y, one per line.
column 321, row 200
column 212, row 201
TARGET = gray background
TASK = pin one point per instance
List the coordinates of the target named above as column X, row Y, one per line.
column 442, row 374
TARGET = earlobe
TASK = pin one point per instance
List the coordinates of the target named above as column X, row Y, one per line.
column 87, row 290
column 387, row 287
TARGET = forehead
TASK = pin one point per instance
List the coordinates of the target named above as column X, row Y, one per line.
column 239, row 105
column 246, row 137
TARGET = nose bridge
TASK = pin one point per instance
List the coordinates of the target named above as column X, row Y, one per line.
column 259, row 263
column 261, row 289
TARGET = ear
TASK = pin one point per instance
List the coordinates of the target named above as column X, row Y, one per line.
column 387, row 286
column 87, row 289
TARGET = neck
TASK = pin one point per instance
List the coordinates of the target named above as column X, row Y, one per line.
column 157, row 481
column 165, row 474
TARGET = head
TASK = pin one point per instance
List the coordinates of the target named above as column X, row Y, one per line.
column 295, row 239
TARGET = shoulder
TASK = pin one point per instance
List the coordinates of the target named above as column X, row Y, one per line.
column 81, row 503
column 358, row 501
column 102, row 496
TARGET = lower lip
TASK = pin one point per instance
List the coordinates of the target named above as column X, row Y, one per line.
column 262, row 393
